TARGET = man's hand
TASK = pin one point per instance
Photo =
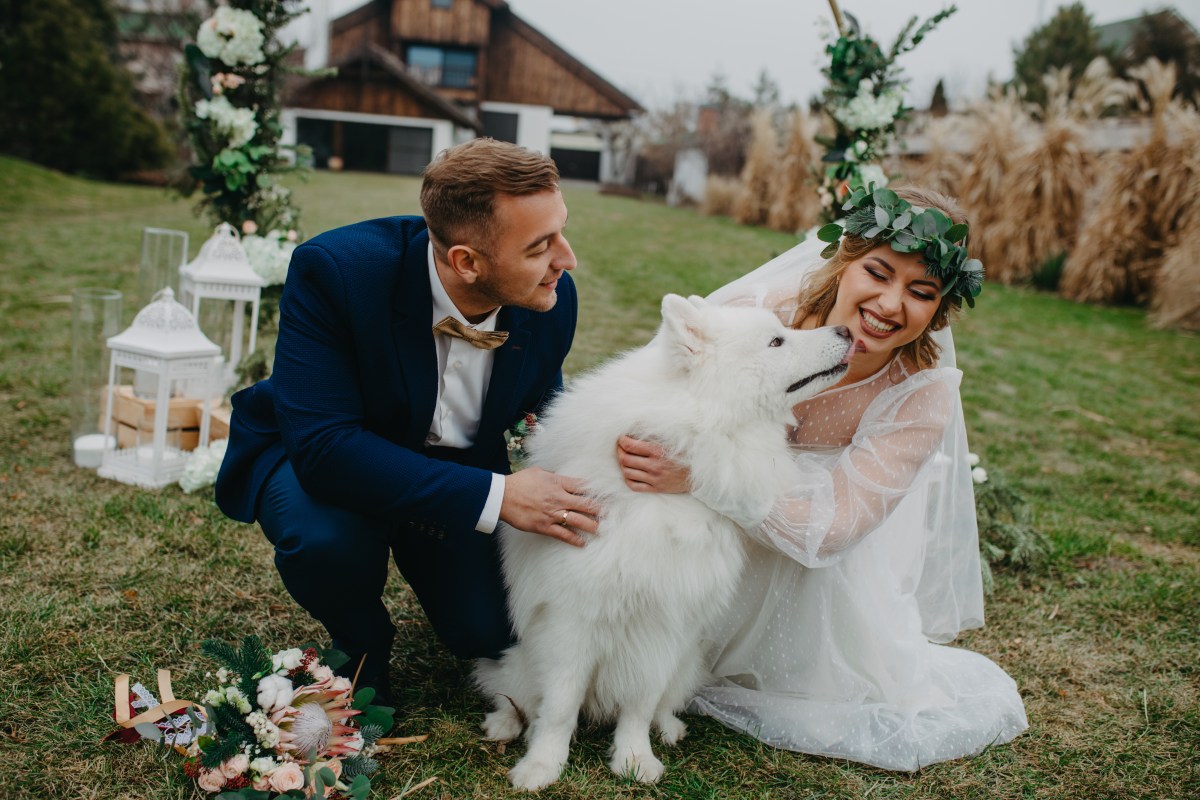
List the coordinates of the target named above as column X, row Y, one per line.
column 647, row 469
column 553, row 505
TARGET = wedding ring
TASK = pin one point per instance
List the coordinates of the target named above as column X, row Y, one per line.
column 563, row 521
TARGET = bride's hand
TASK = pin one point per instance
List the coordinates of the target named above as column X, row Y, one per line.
column 647, row 469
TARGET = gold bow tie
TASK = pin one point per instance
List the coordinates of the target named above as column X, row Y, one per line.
column 484, row 340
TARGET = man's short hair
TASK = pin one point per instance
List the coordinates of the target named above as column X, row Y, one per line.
column 460, row 186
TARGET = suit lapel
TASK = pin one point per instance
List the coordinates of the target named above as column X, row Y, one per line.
column 500, row 405
column 412, row 333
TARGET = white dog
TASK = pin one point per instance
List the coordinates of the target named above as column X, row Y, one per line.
column 614, row 628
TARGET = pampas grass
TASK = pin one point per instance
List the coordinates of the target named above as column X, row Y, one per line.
column 720, row 194
column 942, row 167
column 762, row 164
column 1047, row 182
column 1140, row 204
column 1176, row 299
column 795, row 203
column 997, row 131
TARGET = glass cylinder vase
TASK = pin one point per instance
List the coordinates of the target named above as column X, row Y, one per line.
column 95, row 316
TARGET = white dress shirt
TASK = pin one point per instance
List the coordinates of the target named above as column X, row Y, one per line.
column 464, row 373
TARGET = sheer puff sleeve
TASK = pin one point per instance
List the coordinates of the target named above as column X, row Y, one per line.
column 839, row 498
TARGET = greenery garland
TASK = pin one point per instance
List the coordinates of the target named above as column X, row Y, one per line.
column 864, row 97
column 229, row 97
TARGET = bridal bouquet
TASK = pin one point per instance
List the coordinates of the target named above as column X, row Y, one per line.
column 284, row 725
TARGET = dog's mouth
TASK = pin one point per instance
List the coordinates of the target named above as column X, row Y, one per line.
column 838, row 369
column 835, row 370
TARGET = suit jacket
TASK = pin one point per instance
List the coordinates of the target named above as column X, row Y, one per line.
column 352, row 394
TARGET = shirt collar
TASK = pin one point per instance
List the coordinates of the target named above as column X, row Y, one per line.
column 444, row 307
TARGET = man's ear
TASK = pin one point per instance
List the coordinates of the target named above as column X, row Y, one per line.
column 465, row 262
column 682, row 323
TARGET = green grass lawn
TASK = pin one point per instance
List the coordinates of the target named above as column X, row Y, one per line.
column 1095, row 417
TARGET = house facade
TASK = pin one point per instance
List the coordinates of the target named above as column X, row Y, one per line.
column 417, row 76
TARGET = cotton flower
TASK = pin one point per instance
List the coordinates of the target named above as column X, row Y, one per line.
column 262, row 765
column 287, row 777
column 979, row 475
column 274, row 693
column 201, row 470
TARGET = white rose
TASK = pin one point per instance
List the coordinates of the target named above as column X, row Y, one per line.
column 287, row 660
column 211, row 780
column 234, row 766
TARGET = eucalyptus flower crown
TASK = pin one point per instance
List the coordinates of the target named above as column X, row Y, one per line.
column 910, row 229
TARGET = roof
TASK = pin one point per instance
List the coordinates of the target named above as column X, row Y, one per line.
column 395, row 68
column 1119, row 34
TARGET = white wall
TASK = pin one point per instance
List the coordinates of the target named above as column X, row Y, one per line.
column 533, row 123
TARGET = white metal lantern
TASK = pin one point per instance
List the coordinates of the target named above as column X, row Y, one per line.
column 222, row 272
column 165, row 342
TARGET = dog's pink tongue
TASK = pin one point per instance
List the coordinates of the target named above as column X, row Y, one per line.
column 857, row 347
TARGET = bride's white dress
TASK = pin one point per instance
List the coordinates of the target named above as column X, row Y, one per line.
column 835, row 644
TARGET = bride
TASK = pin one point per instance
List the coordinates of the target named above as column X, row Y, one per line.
column 836, row 642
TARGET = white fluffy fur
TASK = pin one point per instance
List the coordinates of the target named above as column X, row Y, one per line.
column 614, row 628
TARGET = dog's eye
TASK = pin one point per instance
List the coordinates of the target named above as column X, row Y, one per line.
column 776, row 342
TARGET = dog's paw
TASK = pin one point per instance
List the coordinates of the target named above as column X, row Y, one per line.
column 530, row 774
column 502, row 726
column 671, row 729
column 642, row 767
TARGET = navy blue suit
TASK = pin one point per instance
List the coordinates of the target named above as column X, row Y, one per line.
column 329, row 454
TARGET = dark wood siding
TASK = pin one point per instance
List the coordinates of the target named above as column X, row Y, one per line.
column 349, row 33
column 465, row 23
column 519, row 72
column 369, row 94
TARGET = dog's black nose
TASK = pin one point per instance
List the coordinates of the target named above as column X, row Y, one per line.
column 842, row 331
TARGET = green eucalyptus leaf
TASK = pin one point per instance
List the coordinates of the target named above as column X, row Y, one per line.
column 882, row 218
column 957, row 232
column 326, row 774
column 830, row 250
column 830, row 233
column 902, row 221
column 973, row 265
column 363, row 698
column 904, row 239
column 885, row 197
column 149, row 730
column 872, row 232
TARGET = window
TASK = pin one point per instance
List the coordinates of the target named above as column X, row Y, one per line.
column 442, row 3
column 440, row 66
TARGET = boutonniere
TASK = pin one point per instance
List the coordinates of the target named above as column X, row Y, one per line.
column 515, row 437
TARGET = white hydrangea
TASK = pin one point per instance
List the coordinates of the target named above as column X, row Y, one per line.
column 269, row 256
column 865, row 111
column 231, row 35
column 201, row 470
column 236, row 123
column 872, row 173
column 214, row 698
column 287, row 660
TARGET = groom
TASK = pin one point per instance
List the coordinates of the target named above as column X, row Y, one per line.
column 407, row 346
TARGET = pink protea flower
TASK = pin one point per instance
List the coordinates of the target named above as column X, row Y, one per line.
column 316, row 721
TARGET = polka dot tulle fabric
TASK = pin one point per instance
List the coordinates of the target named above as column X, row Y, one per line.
column 835, row 642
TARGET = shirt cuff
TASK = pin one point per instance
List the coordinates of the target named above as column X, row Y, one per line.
column 490, row 515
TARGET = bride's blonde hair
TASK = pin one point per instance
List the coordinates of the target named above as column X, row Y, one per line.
column 819, row 292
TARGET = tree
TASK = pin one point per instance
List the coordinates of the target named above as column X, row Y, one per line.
column 64, row 101
column 938, row 105
column 1069, row 39
column 1162, row 36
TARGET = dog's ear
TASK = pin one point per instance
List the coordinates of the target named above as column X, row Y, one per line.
column 682, row 322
